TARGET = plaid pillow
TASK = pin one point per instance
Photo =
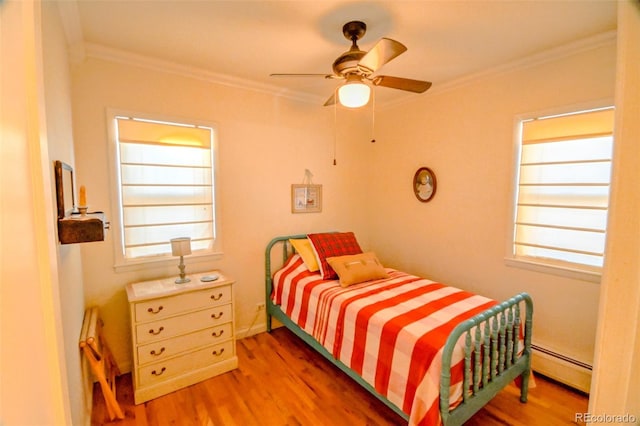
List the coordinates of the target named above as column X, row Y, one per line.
column 332, row 244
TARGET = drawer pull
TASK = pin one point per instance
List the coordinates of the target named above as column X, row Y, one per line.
column 151, row 311
column 217, row 334
column 216, row 353
column 155, row 333
column 217, row 316
column 216, row 298
column 154, row 353
column 155, row 373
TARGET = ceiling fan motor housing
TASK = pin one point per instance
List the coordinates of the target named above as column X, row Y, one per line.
column 347, row 63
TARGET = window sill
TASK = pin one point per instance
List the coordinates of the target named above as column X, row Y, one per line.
column 156, row 262
column 566, row 271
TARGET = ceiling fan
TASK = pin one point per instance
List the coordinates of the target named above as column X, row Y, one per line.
column 357, row 68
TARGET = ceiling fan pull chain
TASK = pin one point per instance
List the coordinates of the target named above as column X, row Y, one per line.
column 373, row 115
column 335, row 124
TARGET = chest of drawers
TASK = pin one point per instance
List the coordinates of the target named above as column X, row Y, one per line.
column 181, row 333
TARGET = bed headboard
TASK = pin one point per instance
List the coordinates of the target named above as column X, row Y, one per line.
column 274, row 258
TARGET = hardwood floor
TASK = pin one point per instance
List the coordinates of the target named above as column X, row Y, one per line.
column 281, row 381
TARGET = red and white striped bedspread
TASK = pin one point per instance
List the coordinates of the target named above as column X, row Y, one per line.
column 390, row 331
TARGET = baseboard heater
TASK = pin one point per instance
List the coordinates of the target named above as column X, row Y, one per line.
column 562, row 368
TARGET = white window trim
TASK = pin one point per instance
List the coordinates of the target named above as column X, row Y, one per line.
column 121, row 264
column 563, row 269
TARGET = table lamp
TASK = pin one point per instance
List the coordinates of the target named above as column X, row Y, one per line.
column 181, row 247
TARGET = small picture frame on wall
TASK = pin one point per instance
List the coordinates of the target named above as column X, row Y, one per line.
column 306, row 198
column 424, row 184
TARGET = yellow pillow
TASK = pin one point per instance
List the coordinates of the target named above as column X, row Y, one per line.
column 304, row 249
column 357, row 268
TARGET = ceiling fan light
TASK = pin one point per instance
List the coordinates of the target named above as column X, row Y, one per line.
column 354, row 94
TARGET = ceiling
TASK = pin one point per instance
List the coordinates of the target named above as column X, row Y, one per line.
column 248, row 40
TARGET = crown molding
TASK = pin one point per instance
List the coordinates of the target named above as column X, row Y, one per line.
column 97, row 51
column 550, row 55
column 79, row 51
column 104, row 53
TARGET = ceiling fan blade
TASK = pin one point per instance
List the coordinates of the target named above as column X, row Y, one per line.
column 331, row 100
column 417, row 86
column 384, row 51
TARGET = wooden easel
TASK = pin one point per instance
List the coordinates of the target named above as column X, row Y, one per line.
column 102, row 364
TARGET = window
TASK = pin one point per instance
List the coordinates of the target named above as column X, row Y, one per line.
column 563, row 189
column 165, row 187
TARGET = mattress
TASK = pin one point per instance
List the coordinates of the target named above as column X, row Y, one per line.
column 389, row 331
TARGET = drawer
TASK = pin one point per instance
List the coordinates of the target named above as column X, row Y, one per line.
column 159, row 371
column 161, row 308
column 163, row 349
column 182, row 324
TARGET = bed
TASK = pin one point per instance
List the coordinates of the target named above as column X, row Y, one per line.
column 434, row 354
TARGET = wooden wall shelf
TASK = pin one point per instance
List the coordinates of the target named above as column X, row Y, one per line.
column 74, row 227
column 82, row 229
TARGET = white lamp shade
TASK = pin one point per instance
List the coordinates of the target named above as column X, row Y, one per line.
column 354, row 95
column 181, row 246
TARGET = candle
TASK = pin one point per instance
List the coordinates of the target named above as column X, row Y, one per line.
column 83, row 196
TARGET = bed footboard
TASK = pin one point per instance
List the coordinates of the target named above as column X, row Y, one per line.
column 493, row 357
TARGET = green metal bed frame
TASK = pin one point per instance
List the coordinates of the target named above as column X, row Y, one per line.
column 494, row 334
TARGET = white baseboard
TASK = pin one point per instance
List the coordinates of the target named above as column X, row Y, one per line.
column 250, row 331
column 561, row 368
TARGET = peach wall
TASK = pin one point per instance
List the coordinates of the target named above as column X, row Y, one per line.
column 265, row 145
column 57, row 93
column 465, row 133
column 33, row 373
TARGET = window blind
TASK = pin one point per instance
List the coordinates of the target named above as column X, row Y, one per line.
column 563, row 188
column 166, row 185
